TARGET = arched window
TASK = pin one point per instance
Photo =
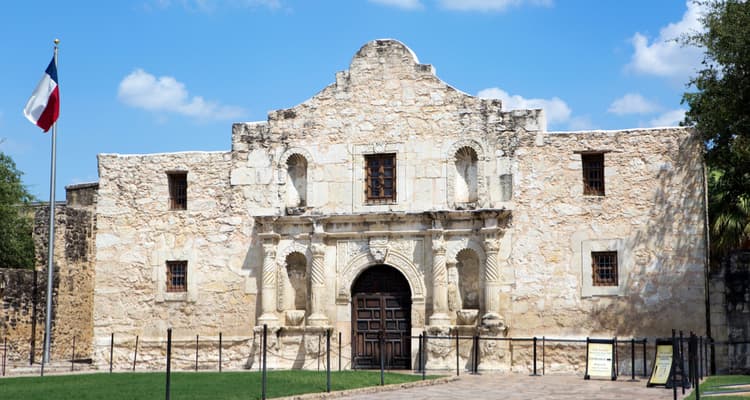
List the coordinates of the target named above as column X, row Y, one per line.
column 296, row 270
column 296, row 169
column 468, row 278
column 466, row 175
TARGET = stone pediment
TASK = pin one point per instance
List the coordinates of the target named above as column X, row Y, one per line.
column 385, row 91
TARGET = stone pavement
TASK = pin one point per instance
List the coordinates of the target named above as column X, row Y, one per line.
column 524, row 387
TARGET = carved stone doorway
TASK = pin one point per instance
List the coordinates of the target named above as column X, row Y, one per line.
column 381, row 307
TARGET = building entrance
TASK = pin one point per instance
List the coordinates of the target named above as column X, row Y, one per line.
column 381, row 315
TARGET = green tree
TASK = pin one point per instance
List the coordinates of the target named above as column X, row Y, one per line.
column 719, row 107
column 16, row 223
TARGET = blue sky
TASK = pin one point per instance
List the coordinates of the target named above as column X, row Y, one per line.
column 147, row 76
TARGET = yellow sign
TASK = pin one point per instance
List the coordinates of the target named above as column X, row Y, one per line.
column 662, row 366
column 600, row 361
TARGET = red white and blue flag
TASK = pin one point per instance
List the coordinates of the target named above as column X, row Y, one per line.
column 43, row 107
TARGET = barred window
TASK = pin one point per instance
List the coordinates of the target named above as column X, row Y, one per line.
column 604, row 268
column 593, row 174
column 380, row 175
column 177, row 190
column 176, row 276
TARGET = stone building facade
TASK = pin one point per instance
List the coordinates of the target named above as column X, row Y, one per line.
column 390, row 204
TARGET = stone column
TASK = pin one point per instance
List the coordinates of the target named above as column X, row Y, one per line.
column 491, row 279
column 268, row 289
column 439, row 315
column 317, row 284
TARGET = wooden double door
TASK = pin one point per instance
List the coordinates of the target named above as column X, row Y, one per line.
column 381, row 323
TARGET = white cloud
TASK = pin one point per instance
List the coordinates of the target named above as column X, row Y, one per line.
column 490, row 5
column 403, row 4
column 669, row 118
column 665, row 56
column 165, row 94
column 633, row 103
column 555, row 109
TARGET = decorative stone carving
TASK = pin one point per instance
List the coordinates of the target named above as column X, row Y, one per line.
column 295, row 317
column 467, row 316
column 379, row 248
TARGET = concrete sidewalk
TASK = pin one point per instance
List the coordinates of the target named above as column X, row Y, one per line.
column 524, row 387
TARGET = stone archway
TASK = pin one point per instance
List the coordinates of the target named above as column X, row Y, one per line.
column 381, row 319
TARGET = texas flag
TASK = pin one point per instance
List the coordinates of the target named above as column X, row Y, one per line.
column 43, row 107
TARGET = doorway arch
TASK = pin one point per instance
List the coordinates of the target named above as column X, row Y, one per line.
column 381, row 310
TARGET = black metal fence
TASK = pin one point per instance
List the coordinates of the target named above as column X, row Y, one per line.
column 694, row 356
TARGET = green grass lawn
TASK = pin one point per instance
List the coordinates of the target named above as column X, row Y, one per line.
column 715, row 383
column 189, row 385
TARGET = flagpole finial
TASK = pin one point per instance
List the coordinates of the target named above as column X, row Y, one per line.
column 57, row 41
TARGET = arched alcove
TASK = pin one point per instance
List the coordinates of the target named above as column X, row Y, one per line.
column 465, row 163
column 467, row 263
column 296, row 270
column 296, row 191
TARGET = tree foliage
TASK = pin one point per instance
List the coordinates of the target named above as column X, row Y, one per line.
column 16, row 222
column 719, row 107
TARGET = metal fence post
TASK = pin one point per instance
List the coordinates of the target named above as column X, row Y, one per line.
column 675, row 349
column 458, row 360
column 700, row 357
column 534, row 339
column 682, row 364
column 544, row 361
column 382, row 359
column 169, row 361
column 339, row 350
column 263, row 366
column 422, row 355
column 328, row 360
column 632, row 359
column 135, row 354
column 645, row 367
column 219, row 351
column 476, row 354
column 73, row 355
column 196, row 352
column 111, row 350
column 5, row 352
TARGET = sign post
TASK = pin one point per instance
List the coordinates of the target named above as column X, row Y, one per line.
column 600, row 359
column 661, row 373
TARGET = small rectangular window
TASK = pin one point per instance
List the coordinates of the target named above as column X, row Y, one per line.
column 593, row 174
column 380, row 176
column 604, row 268
column 176, row 276
column 177, row 190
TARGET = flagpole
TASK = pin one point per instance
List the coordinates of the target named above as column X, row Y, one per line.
column 51, row 243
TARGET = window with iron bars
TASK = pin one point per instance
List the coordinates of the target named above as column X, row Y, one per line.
column 380, row 176
column 604, row 268
column 593, row 174
column 176, row 276
column 177, row 190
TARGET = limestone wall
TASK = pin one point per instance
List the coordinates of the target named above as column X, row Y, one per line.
column 137, row 234
column 652, row 214
column 23, row 293
column 18, row 289
column 386, row 102
column 541, row 234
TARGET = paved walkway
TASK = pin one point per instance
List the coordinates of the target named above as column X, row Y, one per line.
column 523, row 387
